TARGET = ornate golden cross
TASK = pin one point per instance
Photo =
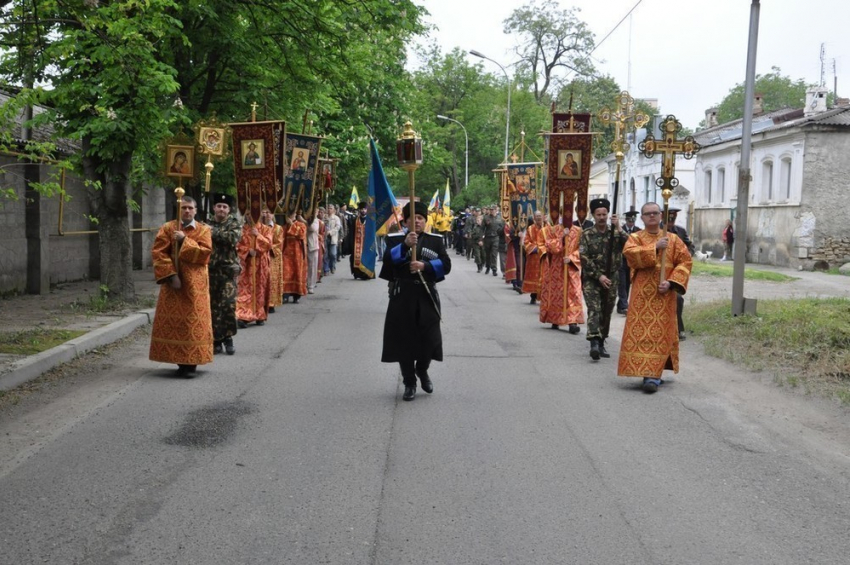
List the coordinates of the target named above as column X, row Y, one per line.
column 623, row 118
column 254, row 106
column 668, row 148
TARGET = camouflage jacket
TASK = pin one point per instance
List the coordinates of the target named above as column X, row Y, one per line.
column 225, row 236
column 593, row 249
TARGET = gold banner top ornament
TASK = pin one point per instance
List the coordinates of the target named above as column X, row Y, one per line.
column 623, row 118
column 668, row 148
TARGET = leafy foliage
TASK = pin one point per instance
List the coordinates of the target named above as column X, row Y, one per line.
column 777, row 92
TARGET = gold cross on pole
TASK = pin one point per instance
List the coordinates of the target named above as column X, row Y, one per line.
column 254, row 106
column 623, row 118
column 668, row 148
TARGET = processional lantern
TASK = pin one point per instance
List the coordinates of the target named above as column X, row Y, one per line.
column 408, row 149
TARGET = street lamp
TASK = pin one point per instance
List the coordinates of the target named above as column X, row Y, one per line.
column 465, row 153
column 508, row 119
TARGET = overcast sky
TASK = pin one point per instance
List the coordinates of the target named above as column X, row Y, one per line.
column 686, row 53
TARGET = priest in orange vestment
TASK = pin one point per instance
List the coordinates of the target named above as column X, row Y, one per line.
column 651, row 336
column 560, row 278
column 252, row 292
column 294, row 258
column 182, row 326
column 534, row 246
column 276, row 261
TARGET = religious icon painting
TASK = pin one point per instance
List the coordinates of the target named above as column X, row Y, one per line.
column 253, row 153
column 569, row 164
column 523, row 183
column 300, row 157
column 211, row 140
column 180, row 161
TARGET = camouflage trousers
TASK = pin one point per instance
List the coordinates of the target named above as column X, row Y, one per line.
column 491, row 252
column 223, row 305
column 477, row 253
column 598, row 310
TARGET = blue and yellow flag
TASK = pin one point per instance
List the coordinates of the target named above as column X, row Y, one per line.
column 354, row 200
column 447, row 200
column 435, row 200
column 382, row 204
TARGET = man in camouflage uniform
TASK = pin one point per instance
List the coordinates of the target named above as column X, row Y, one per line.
column 598, row 275
column 476, row 241
column 224, row 270
column 494, row 230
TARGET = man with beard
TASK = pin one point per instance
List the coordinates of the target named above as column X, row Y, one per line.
column 412, row 336
column 224, row 272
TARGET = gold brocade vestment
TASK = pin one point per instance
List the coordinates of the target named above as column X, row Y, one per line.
column 651, row 336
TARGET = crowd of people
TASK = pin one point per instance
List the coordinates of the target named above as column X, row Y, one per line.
column 569, row 270
column 223, row 275
column 219, row 277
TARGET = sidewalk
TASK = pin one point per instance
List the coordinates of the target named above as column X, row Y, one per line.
column 69, row 306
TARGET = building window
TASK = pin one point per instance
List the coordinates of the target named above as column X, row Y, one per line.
column 767, row 181
column 708, row 186
column 785, row 178
column 721, row 186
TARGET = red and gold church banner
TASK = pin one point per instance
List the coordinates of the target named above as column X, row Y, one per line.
column 568, row 169
column 258, row 165
column 301, row 180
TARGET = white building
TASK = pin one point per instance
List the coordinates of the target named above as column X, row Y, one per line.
column 797, row 205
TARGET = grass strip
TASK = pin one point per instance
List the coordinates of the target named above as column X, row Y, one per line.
column 726, row 270
column 30, row 342
column 801, row 342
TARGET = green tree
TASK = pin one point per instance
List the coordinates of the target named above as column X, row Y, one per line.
column 777, row 92
column 551, row 40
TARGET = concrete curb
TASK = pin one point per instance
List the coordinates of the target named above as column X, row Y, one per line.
column 34, row 366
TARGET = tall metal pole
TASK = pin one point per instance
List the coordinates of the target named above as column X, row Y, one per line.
column 466, row 152
column 744, row 177
column 508, row 78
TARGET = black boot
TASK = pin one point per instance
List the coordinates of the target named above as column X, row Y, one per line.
column 594, row 349
column 409, row 393
column 533, row 298
column 574, row 329
column 228, row 346
column 602, row 351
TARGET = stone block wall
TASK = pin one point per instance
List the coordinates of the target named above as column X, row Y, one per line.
column 13, row 243
column 833, row 250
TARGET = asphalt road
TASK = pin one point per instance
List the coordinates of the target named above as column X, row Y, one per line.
column 298, row 449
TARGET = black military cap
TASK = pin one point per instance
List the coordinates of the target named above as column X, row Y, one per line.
column 361, row 205
column 674, row 210
column 631, row 214
column 222, row 198
column 599, row 203
column 419, row 208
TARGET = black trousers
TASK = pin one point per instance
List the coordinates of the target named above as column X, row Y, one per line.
column 409, row 372
column 680, row 305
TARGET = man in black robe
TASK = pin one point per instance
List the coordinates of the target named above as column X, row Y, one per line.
column 412, row 336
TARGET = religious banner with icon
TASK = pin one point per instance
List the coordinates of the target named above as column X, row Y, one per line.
column 522, row 193
column 569, row 152
column 258, row 163
column 300, row 180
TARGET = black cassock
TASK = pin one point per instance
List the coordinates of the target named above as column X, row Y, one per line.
column 412, row 326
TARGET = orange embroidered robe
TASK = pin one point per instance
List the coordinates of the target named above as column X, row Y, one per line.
column 533, row 239
column 651, row 336
column 295, row 259
column 252, row 292
column 276, row 266
column 560, row 283
column 182, row 326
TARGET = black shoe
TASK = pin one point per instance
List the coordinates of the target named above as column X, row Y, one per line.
column 479, row 270
column 228, row 346
column 241, row 324
column 261, row 323
column 271, row 309
column 487, row 272
column 425, row 382
column 682, row 336
column 295, row 299
column 409, row 393
column 217, row 348
column 594, row 349
column 286, row 300
column 555, row 326
column 494, row 273
column 574, row 329
column 602, row 351
column 621, row 310
column 533, row 298
column 186, row 371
